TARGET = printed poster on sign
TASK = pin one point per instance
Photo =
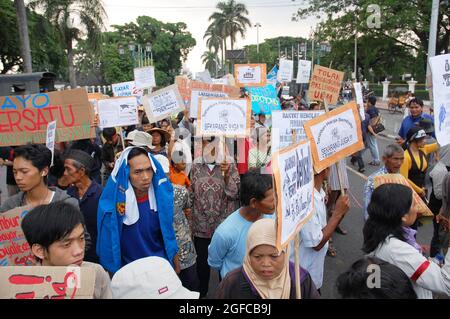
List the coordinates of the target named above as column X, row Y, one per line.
column 144, row 77
column 419, row 204
column 285, row 122
column 163, row 103
column 250, row 74
column 14, row 248
column 304, row 71
column 334, row 135
column 264, row 99
column 440, row 68
column 294, row 181
column 120, row 111
column 224, row 117
column 286, row 71
column 47, row 282
column 197, row 94
column 51, row 137
column 127, row 89
column 325, row 84
column 24, row 118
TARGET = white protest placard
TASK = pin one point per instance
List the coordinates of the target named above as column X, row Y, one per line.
column 286, row 71
column 334, row 135
column 197, row 94
column 440, row 68
column 144, row 77
column 304, row 71
column 51, row 137
column 224, row 117
column 294, row 180
column 284, row 122
column 163, row 103
column 120, row 111
column 204, row 76
column 359, row 98
column 47, row 282
column 127, row 89
column 250, row 74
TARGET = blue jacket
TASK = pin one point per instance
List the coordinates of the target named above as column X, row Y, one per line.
column 110, row 221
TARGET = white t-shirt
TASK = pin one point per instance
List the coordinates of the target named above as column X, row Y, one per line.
column 310, row 236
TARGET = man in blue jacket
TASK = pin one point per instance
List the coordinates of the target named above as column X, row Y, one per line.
column 135, row 213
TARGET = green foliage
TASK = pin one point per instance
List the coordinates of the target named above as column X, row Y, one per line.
column 46, row 48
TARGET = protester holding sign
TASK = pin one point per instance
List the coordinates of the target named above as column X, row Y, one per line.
column 315, row 234
column 56, row 235
column 385, row 237
column 227, row 249
column 266, row 272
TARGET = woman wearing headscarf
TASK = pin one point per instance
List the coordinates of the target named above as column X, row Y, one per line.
column 266, row 272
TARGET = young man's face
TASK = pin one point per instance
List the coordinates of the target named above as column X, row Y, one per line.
column 141, row 173
column 66, row 251
column 267, row 204
column 27, row 176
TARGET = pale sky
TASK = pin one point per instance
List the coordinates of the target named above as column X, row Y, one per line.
column 273, row 15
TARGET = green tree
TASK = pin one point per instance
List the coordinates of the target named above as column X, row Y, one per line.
column 75, row 20
column 215, row 40
column 211, row 61
column 404, row 24
column 47, row 52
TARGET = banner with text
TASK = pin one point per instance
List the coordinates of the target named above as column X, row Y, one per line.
column 285, row 122
column 286, row 71
column 294, row 180
column 224, row 117
column 47, row 282
column 334, row 135
column 163, row 103
column 144, row 78
column 440, row 68
column 325, row 84
column 24, row 118
column 264, row 99
column 127, row 89
column 304, row 71
column 119, row 111
column 250, row 74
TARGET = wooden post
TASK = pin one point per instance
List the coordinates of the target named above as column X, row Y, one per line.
column 121, row 137
column 298, row 293
column 338, row 166
column 224, row 152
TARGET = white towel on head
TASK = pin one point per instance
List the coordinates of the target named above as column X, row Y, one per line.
column 131, row 206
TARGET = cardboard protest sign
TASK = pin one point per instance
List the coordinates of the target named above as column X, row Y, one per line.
column 14, row 248
column 325, row 84
column 286, row 71
column 97, row 96
column 294, row 184
column 144, row 78
column 420, row 205
column 224, row 117
column 334, row 135
column 440, row 68
column 162, row 103
column 50, row 282
column 264, row 99
column 191, row 91
column 304, row 71
column 284, row 122
column 24, row 118
column 119, row 111
column 250, row 74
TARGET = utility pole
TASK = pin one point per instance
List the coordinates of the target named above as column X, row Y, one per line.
column 356, row 51
column 22, row 24
column 432, row 37
column 257, row 25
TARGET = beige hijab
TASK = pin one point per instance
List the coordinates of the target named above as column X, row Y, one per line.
column 263, row 232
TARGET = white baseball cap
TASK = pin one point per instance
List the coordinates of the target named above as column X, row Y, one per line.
column 149, row 278
column 142, row 139
column 164, row 161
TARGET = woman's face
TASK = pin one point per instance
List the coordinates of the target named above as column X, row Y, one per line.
column 27, row 176
column 267, row 262
column 420, row 142
column 415, row 109
column 409, row 218
column 156, row 138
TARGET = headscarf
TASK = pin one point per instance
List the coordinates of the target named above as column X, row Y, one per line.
column 263, row 232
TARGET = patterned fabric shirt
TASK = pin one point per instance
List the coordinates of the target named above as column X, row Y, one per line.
column 187, row 254
column 368, row 189
column 213, row 200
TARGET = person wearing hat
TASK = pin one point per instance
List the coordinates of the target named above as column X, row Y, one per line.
column 160, row 139
column 149, row 278
column 129, row 138
column 142, row 139
column 77, row 167
column 415, row 163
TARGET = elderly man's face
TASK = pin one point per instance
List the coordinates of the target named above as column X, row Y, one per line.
column 71, row 172
column 394, row 162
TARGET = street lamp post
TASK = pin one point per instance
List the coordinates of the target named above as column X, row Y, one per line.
column 148, row 48
column 139, row 53
column 257, row 25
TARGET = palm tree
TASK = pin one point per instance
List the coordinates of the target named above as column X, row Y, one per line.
column 214, row 40
column 231, row 20
column 75, row 19
column 22, row 23
column 210, row 60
